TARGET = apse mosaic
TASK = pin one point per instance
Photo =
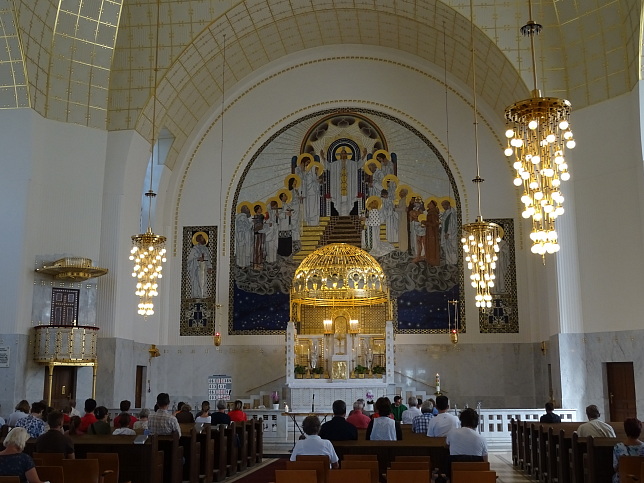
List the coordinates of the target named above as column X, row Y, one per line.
column 359, row 177
column 199, row 256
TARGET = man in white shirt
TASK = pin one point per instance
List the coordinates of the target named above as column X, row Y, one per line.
column 595, row 427
column 465, row 443
column 411, row 412
column 443, row 422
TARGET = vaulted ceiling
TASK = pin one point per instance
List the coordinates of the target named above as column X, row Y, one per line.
column 90, row 62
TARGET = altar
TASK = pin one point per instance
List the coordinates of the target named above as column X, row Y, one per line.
column 339, row 342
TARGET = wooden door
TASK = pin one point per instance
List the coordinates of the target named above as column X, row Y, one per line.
column 621, row 390
column 63, row 386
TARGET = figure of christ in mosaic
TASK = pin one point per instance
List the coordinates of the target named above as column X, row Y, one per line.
column 343, row 181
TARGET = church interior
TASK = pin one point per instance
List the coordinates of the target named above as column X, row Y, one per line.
column 247, row 134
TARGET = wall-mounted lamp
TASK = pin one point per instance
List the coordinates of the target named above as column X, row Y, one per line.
column 544, row 347
column 154, row 352
column 217, row 339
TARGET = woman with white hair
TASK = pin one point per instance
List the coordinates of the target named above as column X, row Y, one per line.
column 13, row 462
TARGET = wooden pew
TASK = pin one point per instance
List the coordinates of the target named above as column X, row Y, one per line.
column 251, row 436
column 386, row 451
column 242, row 448
column 599, row 463
column 514, row 425
column 172, row 457
column 207, row 461
column 191, row 452
column 231, row 452
column 138, row 463
column 577, row 453
column 547, row 448
column 219, row 438
column 259, row 440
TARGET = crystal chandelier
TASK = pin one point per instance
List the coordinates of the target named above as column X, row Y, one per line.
column 148, row 250
column 481, row 238
column 538, row 132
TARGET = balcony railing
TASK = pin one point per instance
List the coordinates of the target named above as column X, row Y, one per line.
column 71, row 345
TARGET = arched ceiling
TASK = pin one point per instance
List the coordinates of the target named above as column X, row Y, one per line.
column 90, row 62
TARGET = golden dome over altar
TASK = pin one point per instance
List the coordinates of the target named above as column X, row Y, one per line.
column 339, row 275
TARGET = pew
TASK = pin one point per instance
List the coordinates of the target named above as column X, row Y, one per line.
column 259, row 440
column 219, row 438
column 191, row 452
column 599, row 463
column 251, row 435
column 207, row 461
column 172, row 457
column 514, row 425
column 386, row 451
column 242, row 442
column 231, row 449
column 138, row 463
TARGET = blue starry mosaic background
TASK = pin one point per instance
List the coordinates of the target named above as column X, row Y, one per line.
column 422, row 310
column 254, row 311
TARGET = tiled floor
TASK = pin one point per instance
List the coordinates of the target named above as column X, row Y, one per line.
column 501, row 462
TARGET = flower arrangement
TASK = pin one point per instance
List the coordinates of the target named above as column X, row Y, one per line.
column 275, row 397
column 370, row 396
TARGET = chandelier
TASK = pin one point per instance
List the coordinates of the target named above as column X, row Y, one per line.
column 481, row 238
column 148, row 250
column 538, row 132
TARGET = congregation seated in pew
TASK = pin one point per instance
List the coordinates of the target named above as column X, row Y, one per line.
column 312, row 444
column 632, row 446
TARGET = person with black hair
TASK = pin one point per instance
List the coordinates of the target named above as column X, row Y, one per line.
column 101, row 426
column 338, row 429
column 631, row 447
column 465, row 443
column 312, row 444
column 34, row 423
column 163, row 421
column 443, row 422
column 398, row 408
column 220, row 417
column 550, row 416
column 125, row 408
column 54, row 441
column 383, row 428
column 89, row 418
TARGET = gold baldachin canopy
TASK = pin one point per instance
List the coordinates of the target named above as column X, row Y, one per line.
column 339, row 275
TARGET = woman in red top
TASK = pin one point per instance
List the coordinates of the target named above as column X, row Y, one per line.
column 237, row 414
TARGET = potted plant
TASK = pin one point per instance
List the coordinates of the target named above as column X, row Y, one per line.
column 369, row 402
column 360, row 371
column 275, row 397
column 378, row 371
column 317, row 372
column 299, row 371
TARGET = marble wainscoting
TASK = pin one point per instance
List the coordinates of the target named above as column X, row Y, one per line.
column 506, row 375
column 582, row 366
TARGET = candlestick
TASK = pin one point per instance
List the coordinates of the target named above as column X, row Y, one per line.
column 438, row 383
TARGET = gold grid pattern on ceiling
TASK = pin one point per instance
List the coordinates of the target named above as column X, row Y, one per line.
column 589, row 51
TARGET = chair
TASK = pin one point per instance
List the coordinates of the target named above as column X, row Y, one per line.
column 108, row 465
column 360, row 457
column 9, row 479
column 81, row 471
column 405, row 476
column 295, row 476
column 629, row 468
column 53, row 474
column 473, row 477
column 349, row 475
column 321, row 469
column 49, row 459
column 314, row 457
column 470, row 466
column 410, row 465
column 363, row 465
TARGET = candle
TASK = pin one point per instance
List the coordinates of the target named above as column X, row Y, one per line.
column 438, row 382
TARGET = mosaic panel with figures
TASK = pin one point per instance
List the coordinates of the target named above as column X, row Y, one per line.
column 354, row 176
column 198, row 276
column 503, row 316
